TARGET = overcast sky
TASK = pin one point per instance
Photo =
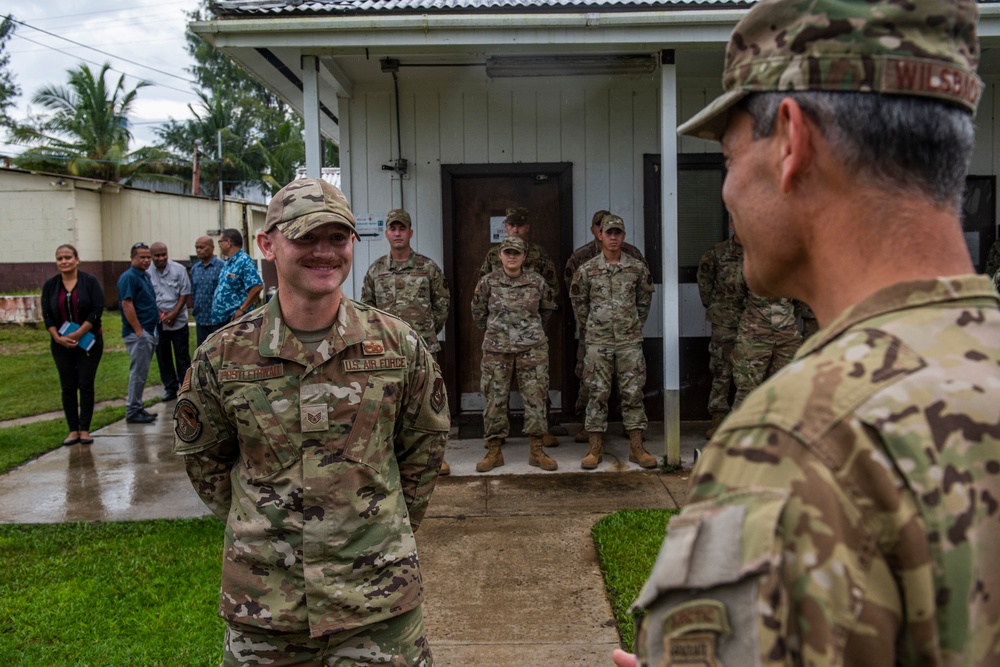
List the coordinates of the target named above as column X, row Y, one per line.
column 149, row 33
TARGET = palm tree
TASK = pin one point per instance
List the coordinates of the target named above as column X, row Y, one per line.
column 283, row 158
column 87, row 132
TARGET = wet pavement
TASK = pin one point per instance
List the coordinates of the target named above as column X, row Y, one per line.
column 130, row 474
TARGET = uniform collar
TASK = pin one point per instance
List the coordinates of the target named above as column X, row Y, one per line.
column 277, row 339
column 903, row 296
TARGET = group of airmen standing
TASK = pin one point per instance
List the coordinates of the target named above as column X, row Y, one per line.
column 753, row 336
column 611, row 292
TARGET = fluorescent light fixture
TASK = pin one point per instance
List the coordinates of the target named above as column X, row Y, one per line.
column 511, row 66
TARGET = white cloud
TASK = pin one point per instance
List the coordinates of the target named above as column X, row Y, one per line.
column 146, row 32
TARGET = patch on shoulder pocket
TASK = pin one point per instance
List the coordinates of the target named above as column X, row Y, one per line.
column 187, row 419
column 701, row 604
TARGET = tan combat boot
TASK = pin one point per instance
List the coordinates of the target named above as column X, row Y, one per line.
column 717, row 418
column 581, row 436
column 637, row 453
column 549, row 440
column 445, row 469
column 493, row 458
column 596, row 452
column 537, row 457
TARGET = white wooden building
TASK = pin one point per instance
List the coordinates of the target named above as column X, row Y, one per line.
column 456, row 109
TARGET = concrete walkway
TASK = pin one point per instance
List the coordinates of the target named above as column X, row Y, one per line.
column 511, row 573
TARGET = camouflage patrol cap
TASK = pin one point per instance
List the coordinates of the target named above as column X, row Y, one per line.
column 512, row 243
column 596, row 220
column 517, row 216
column 398, row 215
column 612, row 222
column 305, row 204
column 926, row 48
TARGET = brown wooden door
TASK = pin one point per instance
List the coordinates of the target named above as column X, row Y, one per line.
column 473, row 195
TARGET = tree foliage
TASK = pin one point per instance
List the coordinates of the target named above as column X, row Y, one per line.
column 261, row 137
column 9, row 90
column 86, row 132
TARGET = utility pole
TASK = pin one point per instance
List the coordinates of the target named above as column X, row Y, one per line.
column 196, row 172
column 222, row 222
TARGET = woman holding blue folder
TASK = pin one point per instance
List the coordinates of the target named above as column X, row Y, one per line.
column 72, row 303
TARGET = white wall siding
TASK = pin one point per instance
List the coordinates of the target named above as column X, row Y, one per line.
column 89, row 233
column 602, row 131
column 35, row 217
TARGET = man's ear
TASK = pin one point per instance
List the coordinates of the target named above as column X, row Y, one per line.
column 265, row 246
column 795, row 134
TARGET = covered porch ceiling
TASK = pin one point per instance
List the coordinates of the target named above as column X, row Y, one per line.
column 351, row 48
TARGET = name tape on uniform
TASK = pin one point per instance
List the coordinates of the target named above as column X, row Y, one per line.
column 382, row 363
column 251, row 374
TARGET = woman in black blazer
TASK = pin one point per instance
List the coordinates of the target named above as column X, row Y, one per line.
column 74, row 297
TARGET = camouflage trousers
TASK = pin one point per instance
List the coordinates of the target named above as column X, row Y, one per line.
column 582, row 395
column 398, row 642
column 720, row 363
column 602, row 367
column 532, row 368
column 757, row 358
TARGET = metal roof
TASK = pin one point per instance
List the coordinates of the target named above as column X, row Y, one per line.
column 224, row 8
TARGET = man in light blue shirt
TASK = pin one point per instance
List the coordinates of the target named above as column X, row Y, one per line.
column 173, row 290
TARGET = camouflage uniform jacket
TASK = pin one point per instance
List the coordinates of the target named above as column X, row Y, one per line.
column 536, row 259
column 847, row 513
column 414, row 290
column 587, row 252
column 512, row 310
column 721, row 284
column 993, row 259
column 764, row 315
column 319, row 463
column 612, row 300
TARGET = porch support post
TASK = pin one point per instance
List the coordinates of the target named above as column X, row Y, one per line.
column 671, row 288
column 310, row 111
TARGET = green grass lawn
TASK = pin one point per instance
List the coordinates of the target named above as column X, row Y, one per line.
column 29, row 383
column 116, row 594
column 627, row 544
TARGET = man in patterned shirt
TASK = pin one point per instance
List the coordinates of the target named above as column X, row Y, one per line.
column 847, row 514
column 204, row 279
column 239, row 283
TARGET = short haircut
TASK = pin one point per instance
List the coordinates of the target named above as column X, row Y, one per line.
column 906, row 144
column 136, row 247
column 234, row 236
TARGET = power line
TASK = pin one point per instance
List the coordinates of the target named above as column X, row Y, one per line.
column 110, row 55
column 19, row 52
column 93, row 62
column 123, row 8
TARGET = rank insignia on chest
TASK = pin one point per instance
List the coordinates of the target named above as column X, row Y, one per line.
column 315, row 418
column 372, row 347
